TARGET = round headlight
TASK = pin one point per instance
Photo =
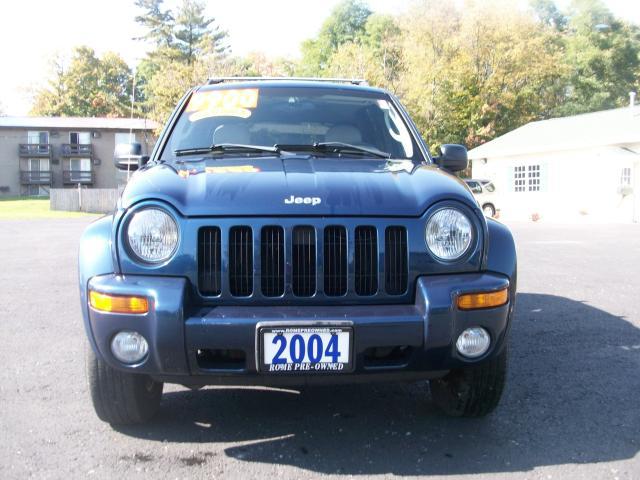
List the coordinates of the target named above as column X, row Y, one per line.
column 448, row 234
column 153, row 235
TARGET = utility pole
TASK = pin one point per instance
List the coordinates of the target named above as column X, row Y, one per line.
column 133, row 101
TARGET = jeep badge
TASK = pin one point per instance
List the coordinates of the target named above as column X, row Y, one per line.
column 303, row 200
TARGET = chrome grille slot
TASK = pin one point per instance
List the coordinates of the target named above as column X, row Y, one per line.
column 303, row 257
column 335, row 261
column 209, row 266
column 272, row 261
column 366, row 261
column 240, row 261
column 395, row 263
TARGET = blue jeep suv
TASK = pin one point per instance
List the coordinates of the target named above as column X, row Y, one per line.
column 289, row 232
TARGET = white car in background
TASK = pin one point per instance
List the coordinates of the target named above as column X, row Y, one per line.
column 485, row 193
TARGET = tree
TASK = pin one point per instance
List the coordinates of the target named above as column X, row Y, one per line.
column 50, row 99
column 467, row 71
column 383, row 38
column 188, row 47
column 90, row 86
column 472, row 72
column 375, row 56
column 345, row 24
column 547, row 13
column 258, row 64
column 196, row 35
column 156, row 21
column 603, row 57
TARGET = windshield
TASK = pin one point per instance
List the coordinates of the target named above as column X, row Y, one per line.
column 293, row 119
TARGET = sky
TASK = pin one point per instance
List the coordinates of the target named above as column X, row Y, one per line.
column 34, row 31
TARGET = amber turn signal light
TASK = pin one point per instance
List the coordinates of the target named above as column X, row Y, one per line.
column 474, row 301
column 118, row 303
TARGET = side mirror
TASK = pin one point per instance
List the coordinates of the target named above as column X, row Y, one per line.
column 127, row 156
column 452, row 157
column 144, row 160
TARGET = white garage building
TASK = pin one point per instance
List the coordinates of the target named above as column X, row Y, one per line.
column 584, row 166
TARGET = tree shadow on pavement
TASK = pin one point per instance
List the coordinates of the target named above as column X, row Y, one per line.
column 571, row 397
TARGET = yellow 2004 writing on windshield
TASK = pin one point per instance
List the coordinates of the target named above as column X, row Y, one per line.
column 222, row 103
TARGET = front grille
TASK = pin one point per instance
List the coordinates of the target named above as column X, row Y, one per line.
column 395, row 264
column 366, row 261
column 209, row 267
column 272, row 261
column 240, row 261
column 335, row 261
column 287, row 258
column 304, row 261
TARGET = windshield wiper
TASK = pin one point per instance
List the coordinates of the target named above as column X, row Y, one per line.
column 335, row 147
column 226, row 148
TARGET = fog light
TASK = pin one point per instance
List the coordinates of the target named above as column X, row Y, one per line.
column 473, row 342
column 129, row 347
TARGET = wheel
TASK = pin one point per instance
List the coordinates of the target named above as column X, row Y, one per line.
column 489, row 210
column 471, row 391
column 121, row 398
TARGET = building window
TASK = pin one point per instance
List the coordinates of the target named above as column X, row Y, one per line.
column 38, row 137
column 625, row 177
column 519, row 178
column 79, row 169
column 533, row 174
column 125, row 138
column 79, row 138
column 526, row 178
column 37, row 165
column 80, row 164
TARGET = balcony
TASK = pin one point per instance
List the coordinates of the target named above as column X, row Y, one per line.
column 77, row 176
column 35, row 150
column 77, row 150
column 35, row 177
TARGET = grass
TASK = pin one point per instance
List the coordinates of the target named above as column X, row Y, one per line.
column 29, row 208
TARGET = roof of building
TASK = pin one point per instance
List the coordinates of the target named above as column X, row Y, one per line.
column 86, row 123
column 620, row 126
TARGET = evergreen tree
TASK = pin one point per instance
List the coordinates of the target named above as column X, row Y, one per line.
column 188, row 47
column 157, row 22
column 196, row 35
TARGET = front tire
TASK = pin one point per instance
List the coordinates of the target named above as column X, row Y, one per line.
column 121, row 398
column 489, row 210
column 472, row 391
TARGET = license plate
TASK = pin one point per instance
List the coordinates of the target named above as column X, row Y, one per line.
column 305, row 349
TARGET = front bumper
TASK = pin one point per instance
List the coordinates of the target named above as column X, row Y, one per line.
column 425, row 331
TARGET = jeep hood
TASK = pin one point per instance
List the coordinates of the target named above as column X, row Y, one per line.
column 260, row 186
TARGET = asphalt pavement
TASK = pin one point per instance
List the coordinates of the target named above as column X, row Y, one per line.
column 571, row 408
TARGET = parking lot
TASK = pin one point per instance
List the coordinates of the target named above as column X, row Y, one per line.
column 571, row 408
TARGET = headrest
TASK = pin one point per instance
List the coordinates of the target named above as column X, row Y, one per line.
column 343, row 134
column 232, row 133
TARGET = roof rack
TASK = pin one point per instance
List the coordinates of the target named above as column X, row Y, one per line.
column 352, row 81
